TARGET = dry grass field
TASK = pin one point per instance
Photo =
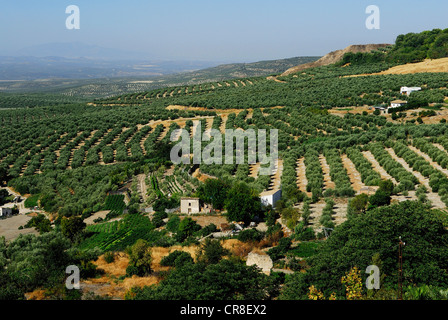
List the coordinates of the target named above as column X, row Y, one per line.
column 114, row 285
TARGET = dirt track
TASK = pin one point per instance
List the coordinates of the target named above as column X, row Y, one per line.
column 302, row 181
column 328, row 183
column 353, row 174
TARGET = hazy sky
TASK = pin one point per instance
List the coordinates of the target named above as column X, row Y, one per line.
column 240, row 31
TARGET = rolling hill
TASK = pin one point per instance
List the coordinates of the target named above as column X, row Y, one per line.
column 433, row 66
column 110, row 84
column 334, row 57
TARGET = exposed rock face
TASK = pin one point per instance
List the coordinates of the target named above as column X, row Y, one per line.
column 262, row 261
column 334, row 57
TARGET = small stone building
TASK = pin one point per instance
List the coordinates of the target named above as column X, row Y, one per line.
column 190, row 205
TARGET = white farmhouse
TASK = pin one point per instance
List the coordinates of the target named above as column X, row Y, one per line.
column 397, row 103
column 270, row 197
column 407, row 90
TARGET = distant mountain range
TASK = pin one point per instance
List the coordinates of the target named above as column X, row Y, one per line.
column 237, row 70
column 77, row 76
column 79, row 50
column 83, row 61
column 53, row 67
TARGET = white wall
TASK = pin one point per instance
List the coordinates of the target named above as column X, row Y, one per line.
column 271, row 199
column 191, row 204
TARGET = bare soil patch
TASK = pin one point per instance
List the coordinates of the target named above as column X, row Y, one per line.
column 96, row 215
column 277, row 175
column 334, row 57
column 141, row 186
column 218, row 111
column 205, row 220
column 202, row 176
column 109, row 284
column 341, row 112
column 302, row 181
column 439, row 146
column 353, row 174
column 275, row 79
column 9, row 227
column 253, row 170
column 339, row 212
column 328, row 183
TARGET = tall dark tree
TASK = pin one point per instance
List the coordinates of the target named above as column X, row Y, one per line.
column 72, row 227
column 3, row 173
column 213, row 191
column 387, row 186
column 380, row 198
column 359, row 203
column 139, row 259
column 211, row 251
column 225, row 280
column 243, row 203
column 186, row 228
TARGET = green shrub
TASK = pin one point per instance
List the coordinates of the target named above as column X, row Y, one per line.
column 280, row 250
column 158, row 217
column 109, row 256
column 207, row 230
column 250, row 235
column 176, row 259
column 32, row 201
column 173, row 223
column 304, row 234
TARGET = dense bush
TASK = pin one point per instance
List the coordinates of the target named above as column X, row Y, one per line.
column 250, row 235
column 280, row 250
column 414, row 47
column 350, row 245
column 206, row 282
column 176, row 259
